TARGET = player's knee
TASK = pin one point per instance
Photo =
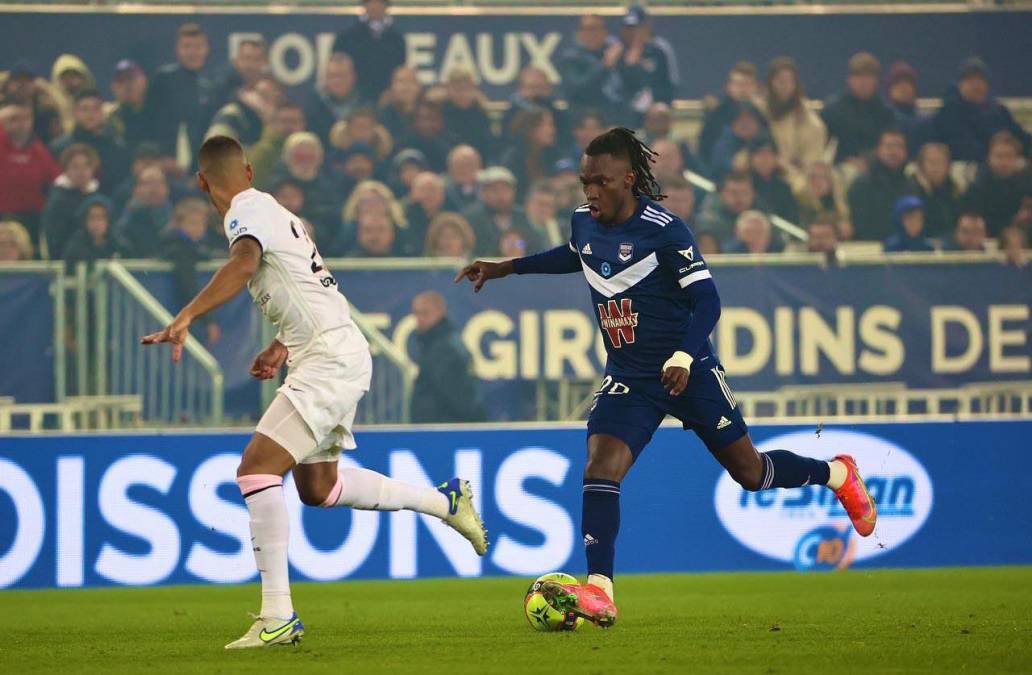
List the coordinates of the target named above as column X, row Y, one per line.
column 748, row 476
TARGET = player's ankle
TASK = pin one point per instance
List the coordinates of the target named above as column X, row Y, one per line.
column 837, row 474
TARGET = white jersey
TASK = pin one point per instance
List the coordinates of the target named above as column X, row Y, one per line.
column 292, row 287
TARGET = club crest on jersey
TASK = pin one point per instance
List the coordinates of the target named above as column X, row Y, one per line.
column 619, row 321
column 626, row 252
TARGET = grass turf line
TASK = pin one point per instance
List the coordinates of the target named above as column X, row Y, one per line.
column 976, row 620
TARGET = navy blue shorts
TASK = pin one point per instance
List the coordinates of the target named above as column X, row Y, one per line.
column 632, row 408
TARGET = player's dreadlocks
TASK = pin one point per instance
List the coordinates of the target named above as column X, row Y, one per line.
column 621, row 142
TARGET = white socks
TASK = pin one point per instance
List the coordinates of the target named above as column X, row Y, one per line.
column 365, row 489
column 269, row 536
column 837, row 474
column 603, row 582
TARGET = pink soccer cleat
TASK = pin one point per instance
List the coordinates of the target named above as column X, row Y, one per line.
column 584, row 600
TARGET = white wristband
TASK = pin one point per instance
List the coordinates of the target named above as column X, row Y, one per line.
column 679, row 360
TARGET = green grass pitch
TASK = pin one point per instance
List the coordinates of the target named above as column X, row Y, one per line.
column 933, row 621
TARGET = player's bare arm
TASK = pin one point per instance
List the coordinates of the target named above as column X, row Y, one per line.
column 269, row 361
column 244, row 258
column 480, row 271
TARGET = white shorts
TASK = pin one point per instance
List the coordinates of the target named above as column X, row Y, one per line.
column 314, row 409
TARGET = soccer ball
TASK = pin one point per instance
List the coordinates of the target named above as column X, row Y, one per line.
column 542, row 615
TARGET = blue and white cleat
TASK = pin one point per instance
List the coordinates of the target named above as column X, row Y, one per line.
column 462, row 515
column 268, row 632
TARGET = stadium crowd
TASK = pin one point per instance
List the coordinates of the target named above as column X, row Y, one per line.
column 379, row 165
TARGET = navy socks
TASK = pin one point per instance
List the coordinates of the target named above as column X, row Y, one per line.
column 784, row 469
column 600, row 523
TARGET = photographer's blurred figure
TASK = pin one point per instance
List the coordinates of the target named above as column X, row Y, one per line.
column 445, row 390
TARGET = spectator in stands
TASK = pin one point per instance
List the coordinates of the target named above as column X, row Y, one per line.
column 659, row 125
column 187, row 242
column 350, row 166
column 936, row 188
column 512, row 244
column 363, row 127
column 425, row 202
column 397, row 105
column 771, row 186
column 534, row 89
column 177, row 99
column 248, row 65
column 76, row 182
column 406, row 165
column 465, row 115
column 753, row 234
column 1023, row 218
column 245, row 116
column 289, row 118
column 335, row 98
column 15, row 242
column 569, row 193
column 593, row 72
column 147, row 213
column 27, row 169
column 587, row 124
column 449, row 236
column 497, row 211
column 908, row 214
column 303, row 159
column 969, row 235
column 720, row 210
column 1014, row 244
column 90, row 129
column 429, row 135
column 680, row 199
column 445, row 389
column 68, row 76
column 369, row 196
column 376, row 236
column 708, row 243
column 901, row 90
column 823, row 234
column 823, row 192
column 970, row 116
column 464, row 163
column 873, row 195
column 741, row 87
column 290, row 195
column 1001, row 184
column 94, row 238
column 535, row 149
column 747, row 128
column 799, row 133
column 24, row 87
column 649, row 63
column 129, row 115
column 376, row 46
column 857, row 117
column 539, row 205
column 669, row 164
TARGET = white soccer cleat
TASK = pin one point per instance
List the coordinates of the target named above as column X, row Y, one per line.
column 268, row 632
column 462, row 515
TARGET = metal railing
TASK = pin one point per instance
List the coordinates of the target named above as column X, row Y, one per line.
column 189, row 393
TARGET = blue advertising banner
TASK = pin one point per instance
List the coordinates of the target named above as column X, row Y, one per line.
column 26, row 337
column 497, row 45
column 153, row 509
column 926, row 325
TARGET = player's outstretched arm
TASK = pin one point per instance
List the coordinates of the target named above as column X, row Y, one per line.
column 244, row 257
column 479, row 271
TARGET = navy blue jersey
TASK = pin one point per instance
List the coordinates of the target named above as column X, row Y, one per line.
column 651, row 290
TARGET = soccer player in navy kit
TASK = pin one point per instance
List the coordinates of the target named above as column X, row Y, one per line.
column 656, row 303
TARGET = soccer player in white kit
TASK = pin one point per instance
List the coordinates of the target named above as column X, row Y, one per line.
column 309, row 422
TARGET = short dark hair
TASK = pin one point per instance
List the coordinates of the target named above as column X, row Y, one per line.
column 747, row 68
column 735, row 177
column 970, row 213
column 1005, row 137
column 585, row 114
column 190, row 30
column 258, row 42
column 76, row 149
column 88, row 93
column 892, row 131
column 215, row 151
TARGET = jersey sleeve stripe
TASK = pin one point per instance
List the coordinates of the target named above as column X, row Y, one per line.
column 572, row 247
column 693, row 277
column 658, row 214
